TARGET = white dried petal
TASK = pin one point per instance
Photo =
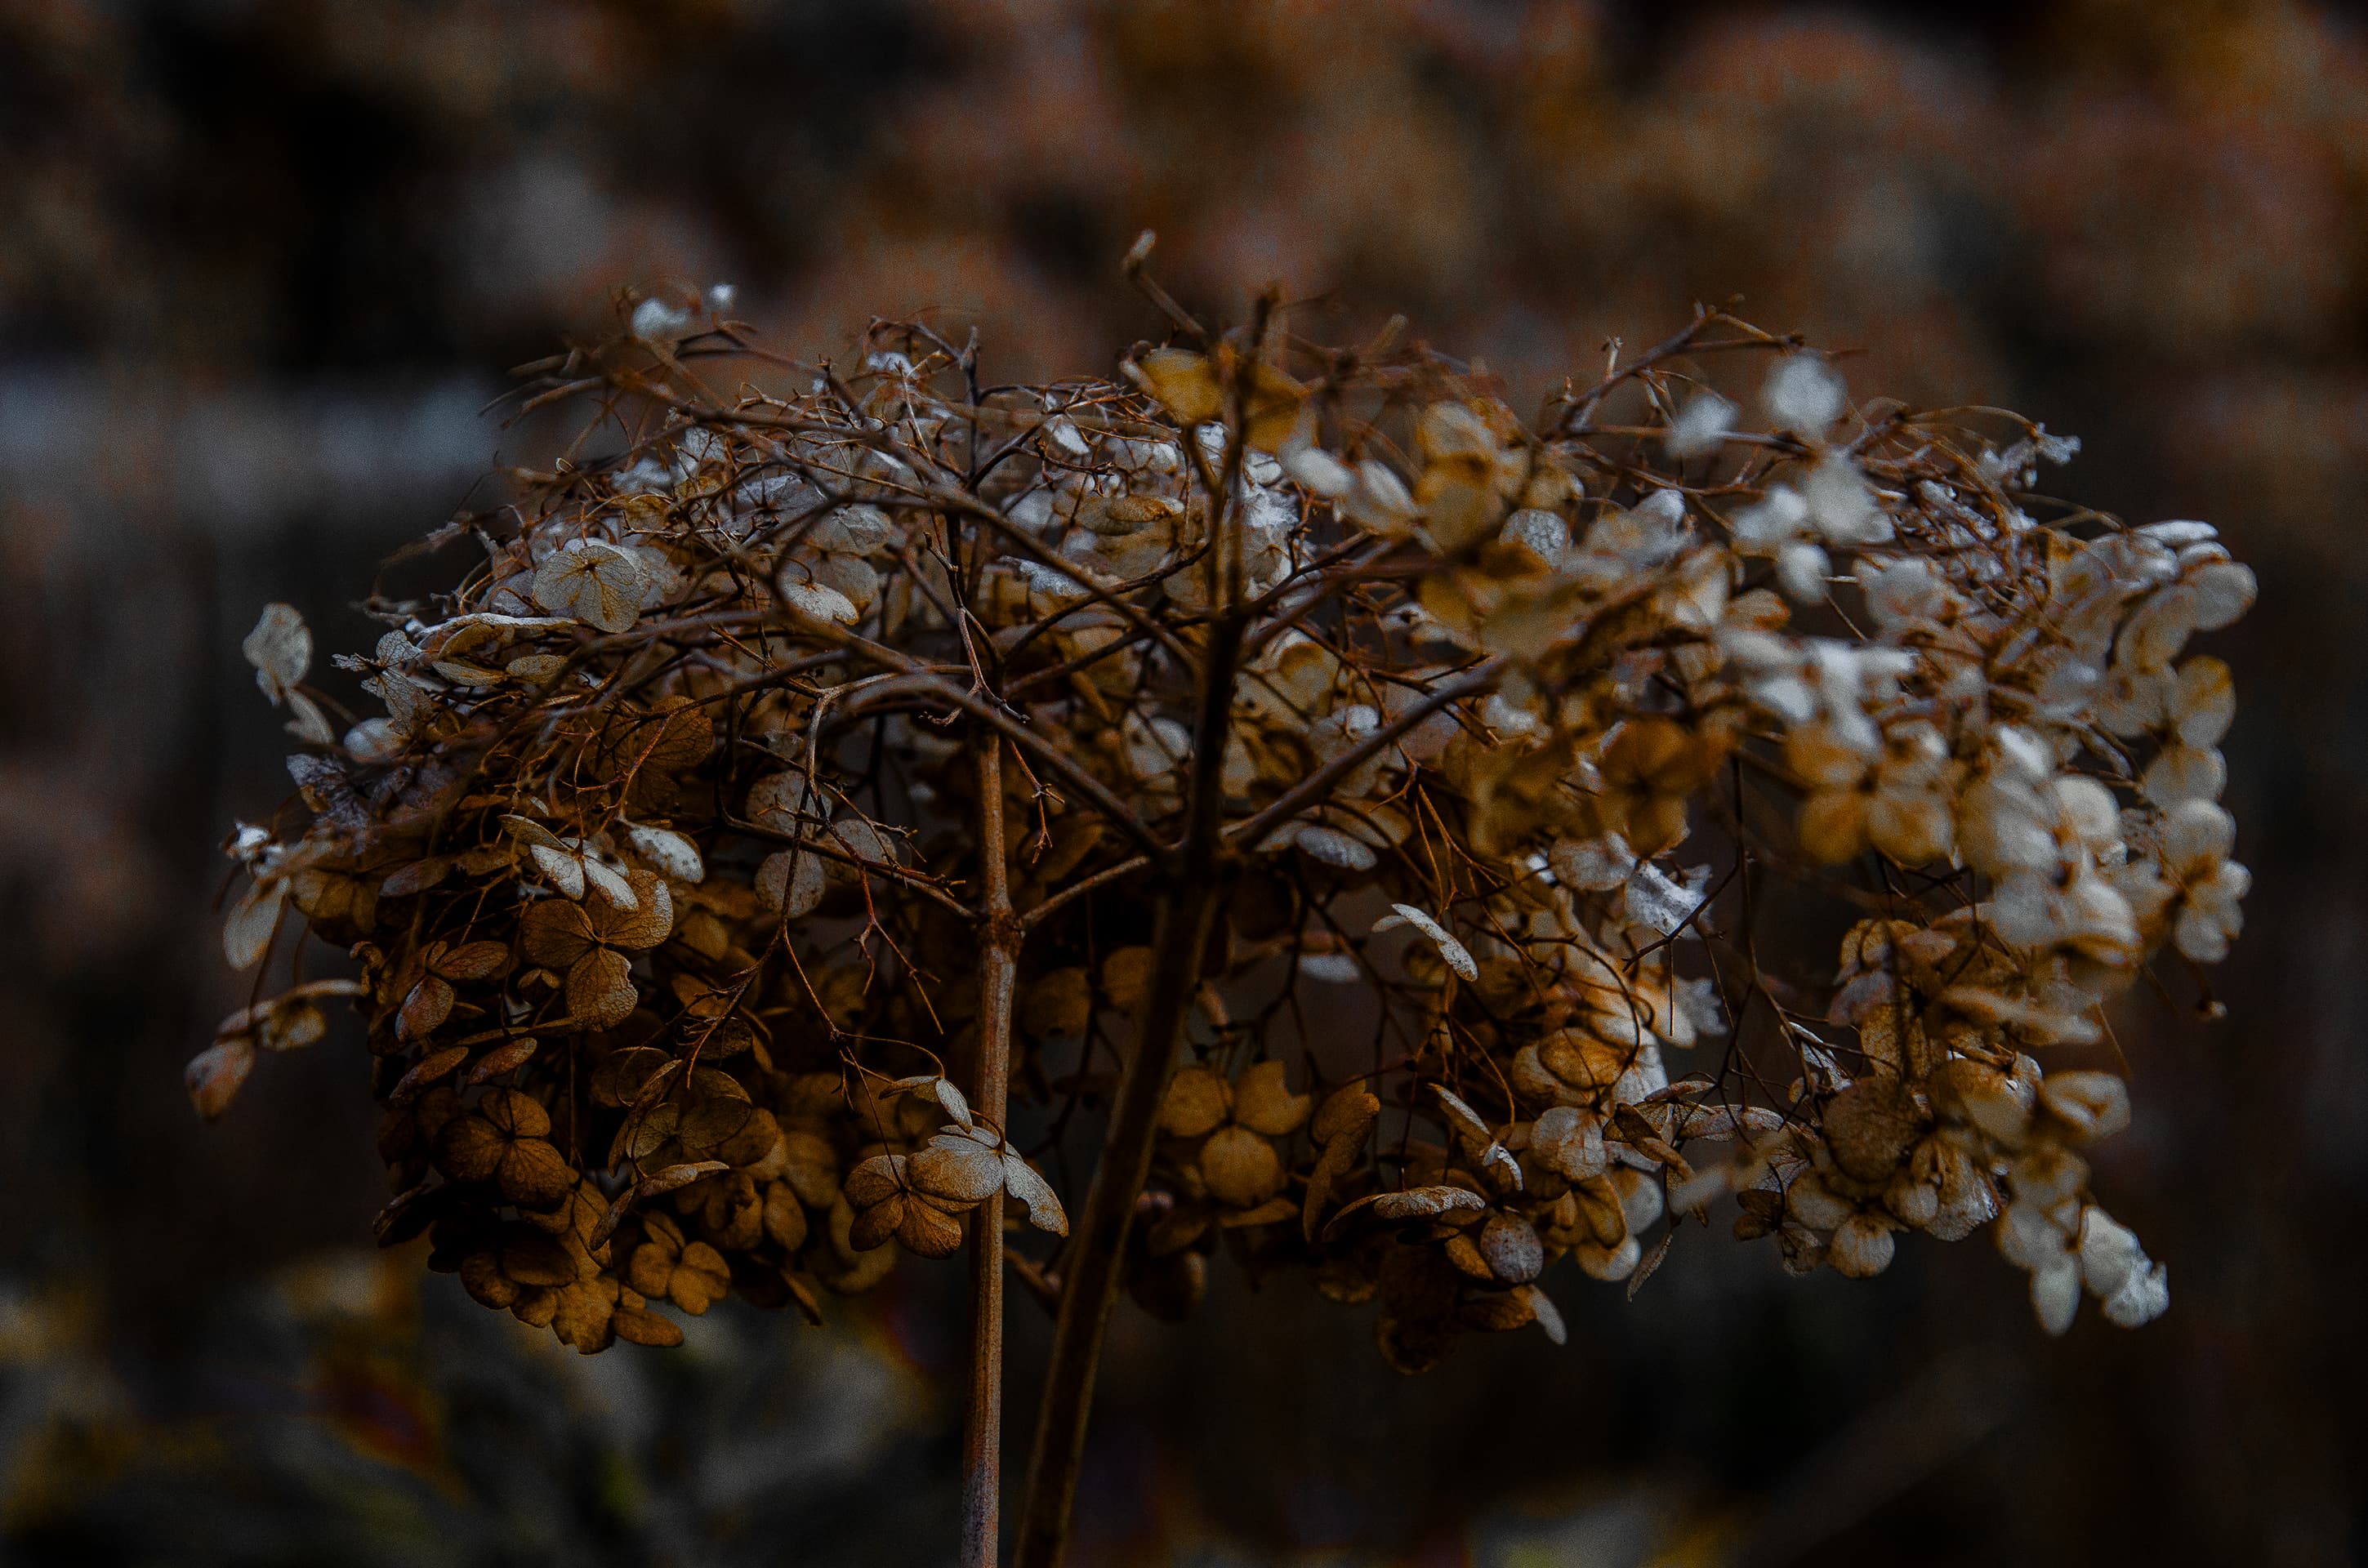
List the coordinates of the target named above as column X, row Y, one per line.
column 2142, row 1298
column 2109, row 1253
column 1700, row 426
column 791, row 882
column 1861, row 1247
column 609, row 881
column 1319, row 471
column 818, row 601
column 1458, row 957
column 1843, row 504
column 1335, row 847
column 1331, row 968
column 948, row 1098
column 1803, row 396
column 1569, row 1141
column 375, row 741
column 1548, row 1316
column 2055, row 1295
column 280, row 649
column 1028, row 1188
column 668, row 852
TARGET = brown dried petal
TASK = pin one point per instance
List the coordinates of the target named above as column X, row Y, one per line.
column 429, row 1004
column 1582, row 1061
column 875, row 1181
column 785, row 1218
column 600, row 991
column 515, row 1113
column 1601, row 1210
column 638, row 1326
column 436, row 1064
column 929, row 1231
column 1499, row 1312
column 534, row 1175
column 1126, row 977
column 873, row 1225
column 537, row 1307
column 619, row 1080
column 482, row 1276
column 503, row 1059
column 1338, row 1158
column 417, row 877
column 1872, row 1125
column 1183, row 381
column 554, row 933
column 531, row 1260
column 711, row 1123
column 474, row 960
column 648, row 923
column 1240, row 1167
column 1263, row 1103
column 1057, row 1004
column 700, row 1278
column 586, row 1315
column 1198, row 1100
column 1347, row 1112
column 651, row 1268
column 1273, row 1211
column 470, row 1148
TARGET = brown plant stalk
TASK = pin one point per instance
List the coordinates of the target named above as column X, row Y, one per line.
column 1000, row 935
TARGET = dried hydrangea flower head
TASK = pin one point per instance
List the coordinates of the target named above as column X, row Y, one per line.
column 1401, row 791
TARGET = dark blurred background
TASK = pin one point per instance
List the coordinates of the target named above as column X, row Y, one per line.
column 262, row 262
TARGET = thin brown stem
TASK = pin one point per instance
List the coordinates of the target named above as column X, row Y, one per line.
column 998, row 969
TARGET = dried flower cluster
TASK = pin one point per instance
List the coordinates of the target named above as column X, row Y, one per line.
column 1513, row 837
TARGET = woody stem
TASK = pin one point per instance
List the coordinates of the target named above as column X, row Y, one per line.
column 1188, row 912
column 998, row 966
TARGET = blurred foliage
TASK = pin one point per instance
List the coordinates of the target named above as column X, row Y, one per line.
column 263, row 259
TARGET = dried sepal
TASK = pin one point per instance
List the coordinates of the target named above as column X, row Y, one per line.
column 642, row 902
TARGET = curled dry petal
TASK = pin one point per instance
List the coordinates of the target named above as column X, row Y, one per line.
column 943, row 1091
column 1414, row 1203
column 1458, row 958
column 1033, row 1192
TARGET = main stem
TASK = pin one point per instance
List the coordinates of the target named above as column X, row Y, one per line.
column 998, row 968
column 1188, row 911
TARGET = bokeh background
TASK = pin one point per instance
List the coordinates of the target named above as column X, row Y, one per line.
column 263, row 261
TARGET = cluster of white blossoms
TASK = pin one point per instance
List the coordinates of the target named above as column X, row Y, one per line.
column 669, row 864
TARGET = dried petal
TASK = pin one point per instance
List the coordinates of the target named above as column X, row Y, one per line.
column 216, row 1074
column 595, row 582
